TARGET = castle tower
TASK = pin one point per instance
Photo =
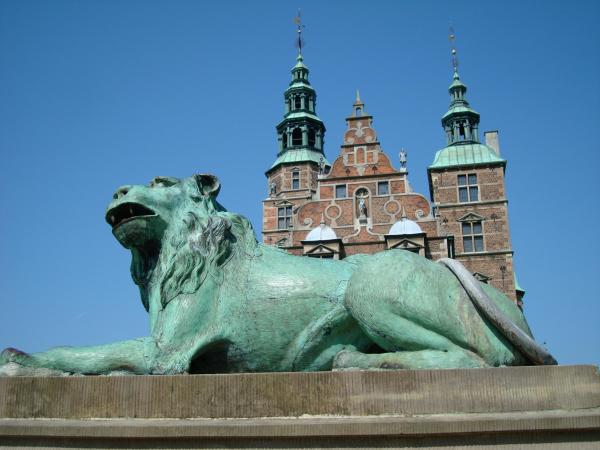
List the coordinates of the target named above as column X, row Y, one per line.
column 293, row 177
column 466, row 182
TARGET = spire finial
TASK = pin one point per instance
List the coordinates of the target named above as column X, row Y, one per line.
column 358, row 97
column 322, row 219
column 451, row 38
column 404, row 216
column 300, row 26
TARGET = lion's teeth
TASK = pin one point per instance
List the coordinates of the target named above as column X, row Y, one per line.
column 131, row 210
column 112, row 219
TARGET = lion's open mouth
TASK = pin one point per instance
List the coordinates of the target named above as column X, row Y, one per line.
column 126, row 212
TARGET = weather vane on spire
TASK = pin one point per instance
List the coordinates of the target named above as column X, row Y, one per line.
column 299, row 41
column 451, row 38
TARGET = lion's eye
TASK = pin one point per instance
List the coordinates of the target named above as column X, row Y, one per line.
column 163, row 182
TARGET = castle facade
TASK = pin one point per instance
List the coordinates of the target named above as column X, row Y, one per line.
column 361, row 203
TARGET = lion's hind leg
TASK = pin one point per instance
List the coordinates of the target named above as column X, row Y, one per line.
column 421, row 359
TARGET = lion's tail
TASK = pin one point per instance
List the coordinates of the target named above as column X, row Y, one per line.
column 524, row 343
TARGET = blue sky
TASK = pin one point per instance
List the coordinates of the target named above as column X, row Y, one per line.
column 97, row 94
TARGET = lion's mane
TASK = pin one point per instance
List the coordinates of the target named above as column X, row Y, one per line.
column 197, row 246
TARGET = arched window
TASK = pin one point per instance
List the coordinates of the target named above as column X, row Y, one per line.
column 297, row 102
column 297, row 136
column 285, row 142
column 358, row 112
column 461, row 132
column 312, row 138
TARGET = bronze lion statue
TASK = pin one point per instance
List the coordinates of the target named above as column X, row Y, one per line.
column 219, row 301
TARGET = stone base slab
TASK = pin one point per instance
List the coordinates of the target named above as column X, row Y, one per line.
column 522, row 407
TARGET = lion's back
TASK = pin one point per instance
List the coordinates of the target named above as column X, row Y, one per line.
column 400, row 287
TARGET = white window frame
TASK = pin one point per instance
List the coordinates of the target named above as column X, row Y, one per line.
column 472, row 236
column 468, row 188
column 287, row 217
column 345, row 186
column 387, row 184
column 295, row 177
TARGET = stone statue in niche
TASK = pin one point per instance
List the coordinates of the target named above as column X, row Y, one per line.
column 362, row 196
column 219, row 301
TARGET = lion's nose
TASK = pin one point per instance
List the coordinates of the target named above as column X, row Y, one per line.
column 120, row 192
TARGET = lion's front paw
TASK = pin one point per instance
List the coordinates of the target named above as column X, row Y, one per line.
column 13, row 369
column 10, row 369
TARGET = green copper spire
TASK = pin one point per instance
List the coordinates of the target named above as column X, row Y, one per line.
column 301, row 132
column 460, row 122
column 461, row 125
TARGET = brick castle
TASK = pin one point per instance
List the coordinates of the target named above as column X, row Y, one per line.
column 361, row 203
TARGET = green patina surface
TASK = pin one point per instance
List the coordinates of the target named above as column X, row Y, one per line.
column 517, row 285
column 458, row 109
column 302, row 115
column 300, row 155
column 465, row 154
column 219, row 301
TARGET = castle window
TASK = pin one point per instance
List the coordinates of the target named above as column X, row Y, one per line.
column 285, row 142
column 311, row 137
column 461, row 132
column 340, row 191
column 472, row 237
column 383, row 188
column 297, row 102
column 324, row 256
column 297, row 136
column 284, row 217
column 468, row 190
column 295, row 180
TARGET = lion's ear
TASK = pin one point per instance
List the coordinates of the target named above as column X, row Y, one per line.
column 208, row 184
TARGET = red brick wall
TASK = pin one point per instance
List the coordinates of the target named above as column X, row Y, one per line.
column 496, row 260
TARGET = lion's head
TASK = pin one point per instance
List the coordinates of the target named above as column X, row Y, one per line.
column 177, row 232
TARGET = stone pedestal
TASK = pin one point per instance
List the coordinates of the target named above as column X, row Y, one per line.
column 508, row 408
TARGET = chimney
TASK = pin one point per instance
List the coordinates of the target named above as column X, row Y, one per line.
column 491, row 140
